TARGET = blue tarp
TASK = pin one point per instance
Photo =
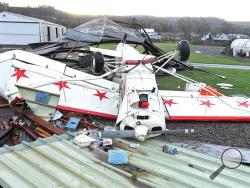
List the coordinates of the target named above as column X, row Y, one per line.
column 118, row 157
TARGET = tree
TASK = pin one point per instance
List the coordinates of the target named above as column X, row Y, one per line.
column 157, row 27
column 4, row 6
column 185, row 27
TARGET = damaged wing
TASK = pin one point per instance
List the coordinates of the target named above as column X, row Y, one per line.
column 77, row 91
column 203, row 106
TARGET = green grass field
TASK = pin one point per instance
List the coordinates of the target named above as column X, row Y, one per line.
column 239, row 78
column 201, row 58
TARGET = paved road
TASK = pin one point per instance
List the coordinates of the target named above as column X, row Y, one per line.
column 241, row 67
column 216, row 51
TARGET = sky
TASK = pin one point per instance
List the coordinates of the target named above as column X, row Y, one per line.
column 226, row 9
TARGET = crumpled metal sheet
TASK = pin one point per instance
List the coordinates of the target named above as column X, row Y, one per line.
column 102, row 29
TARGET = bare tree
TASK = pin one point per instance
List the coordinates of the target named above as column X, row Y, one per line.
column 185, row 27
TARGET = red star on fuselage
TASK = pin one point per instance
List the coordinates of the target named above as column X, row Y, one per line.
column 246, row 104
column 19, row 74
column 101, row 95
column 169, row 102
column 62, row 85
column 206, row 103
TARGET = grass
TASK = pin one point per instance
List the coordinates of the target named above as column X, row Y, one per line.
column 194, row 57
column 239, row 78
column 201, row 58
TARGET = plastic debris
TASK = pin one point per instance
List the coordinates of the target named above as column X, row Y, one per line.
column 72, row 123
column 107, row 142
column 134, row 145
column 117, row 157
column 169, row 149
column 109, row 128
column 83, row 140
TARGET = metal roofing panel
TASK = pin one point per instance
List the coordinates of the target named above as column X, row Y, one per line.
column 56, row 161
column 22, row 18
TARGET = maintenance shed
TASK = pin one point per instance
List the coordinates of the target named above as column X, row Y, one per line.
column 16, row 29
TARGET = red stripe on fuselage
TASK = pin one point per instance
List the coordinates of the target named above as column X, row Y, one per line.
column 210, row 118
column 109, row 116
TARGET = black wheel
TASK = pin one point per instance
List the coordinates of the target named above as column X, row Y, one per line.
column 84, row 61
column 97, row 64
column 184, row 50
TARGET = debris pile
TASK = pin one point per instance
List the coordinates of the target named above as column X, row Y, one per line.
column 23, row 125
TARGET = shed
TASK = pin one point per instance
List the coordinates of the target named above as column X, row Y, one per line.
column 17, row 29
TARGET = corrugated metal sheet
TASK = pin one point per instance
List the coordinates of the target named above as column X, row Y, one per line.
column 56, row 162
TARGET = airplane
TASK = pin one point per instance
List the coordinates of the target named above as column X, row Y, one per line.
column 126, row 91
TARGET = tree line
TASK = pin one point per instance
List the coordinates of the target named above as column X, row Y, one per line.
column 185, row 25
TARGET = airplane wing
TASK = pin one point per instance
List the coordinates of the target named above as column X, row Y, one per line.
column 86, row 95
column 124, row 51
column 197, row 106
column 107, row 52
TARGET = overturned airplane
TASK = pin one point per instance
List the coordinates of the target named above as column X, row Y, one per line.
column 126, row 91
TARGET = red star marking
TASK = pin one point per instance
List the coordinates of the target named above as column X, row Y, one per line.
column 246, row 104
column 206, row 103
column 19, row 74
column 62, row 85
column 101, row 95
column 169, row 102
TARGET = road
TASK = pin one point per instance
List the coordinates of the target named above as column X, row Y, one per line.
column 216, row 51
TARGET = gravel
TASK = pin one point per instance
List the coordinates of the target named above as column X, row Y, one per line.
column 221, row 133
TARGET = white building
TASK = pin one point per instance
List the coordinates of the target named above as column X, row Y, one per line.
column 152, row 34
column 222, row 37
column 16, row 29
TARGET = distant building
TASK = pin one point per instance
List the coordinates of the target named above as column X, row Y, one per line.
column 208, row 36
column 222, row 37
column 16, row 29
column 152, row 34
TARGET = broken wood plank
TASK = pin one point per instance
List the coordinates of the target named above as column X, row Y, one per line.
column 4, row 105
column 28, row 130
column 39, row 121
column 42, row 123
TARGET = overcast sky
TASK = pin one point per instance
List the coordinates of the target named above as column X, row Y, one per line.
column 227, row 9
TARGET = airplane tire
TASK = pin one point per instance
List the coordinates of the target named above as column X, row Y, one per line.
column 184, row 50
column 84, row 61
column 97, row 64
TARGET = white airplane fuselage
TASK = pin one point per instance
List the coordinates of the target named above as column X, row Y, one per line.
column 140, row 105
